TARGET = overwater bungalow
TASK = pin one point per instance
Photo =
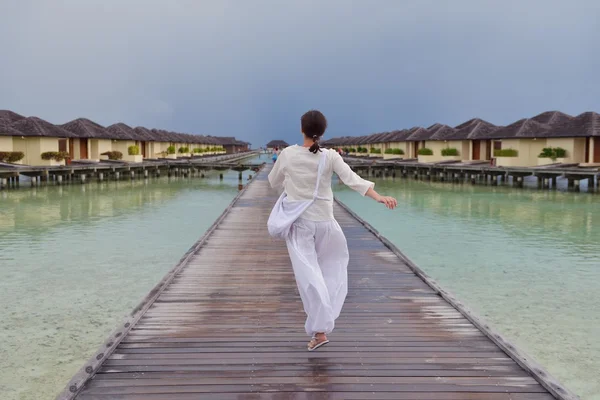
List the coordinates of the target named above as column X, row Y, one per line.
column 7, row 132
column 550, row 137
column 89, row 140
column 277, row 144
column 82, row 139
column 40, row 141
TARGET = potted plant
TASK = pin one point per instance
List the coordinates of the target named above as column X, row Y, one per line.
column 133, row 154
column 451, row 153
column 391, row 154
column 184, row 151
column 53, row 158
column 552, row 155
column 375, row 152
column 506, row 158
column 425, row 155
column 12, row 157
column 171, row 152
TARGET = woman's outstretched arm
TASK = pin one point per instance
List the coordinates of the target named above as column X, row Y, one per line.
column 355, row 182
column 388, row 201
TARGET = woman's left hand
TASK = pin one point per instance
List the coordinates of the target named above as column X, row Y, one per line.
column 388, row 201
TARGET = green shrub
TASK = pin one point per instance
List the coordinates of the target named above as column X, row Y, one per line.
column 394, row 151
column 113, row 155
column 362, row 149
column 184, row 150
column 450, row 152
column 11, row 156
column 506, row 153
column 133, row 150
column 55, row 155
column 425, row 152
column 351, row 150
column 197, row 151
column 553, row 153
column 171, row 150
column 375, row 151
column 49, row 155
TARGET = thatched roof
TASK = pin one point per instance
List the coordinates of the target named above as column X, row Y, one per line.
column 121, row 131
column 33, row 126
column 522, row 128
column 84, row 128
column 418, row 134
column 441, row 132
column 13, row 124
column 7, row 130
column 10, row 116
column 473, row 129
column 277, row 143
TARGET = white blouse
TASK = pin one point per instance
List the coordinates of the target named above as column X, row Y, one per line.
column 296, row 172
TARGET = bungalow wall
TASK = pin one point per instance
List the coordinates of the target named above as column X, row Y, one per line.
column 99, row 146
column 33, row 147
column 6, row 143
column 528, row 151
column 122, row 146
column 575, row 148
column 404, row 146
column 437, row 146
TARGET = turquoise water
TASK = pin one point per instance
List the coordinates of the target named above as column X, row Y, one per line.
column 75, row 259
column 527, row 261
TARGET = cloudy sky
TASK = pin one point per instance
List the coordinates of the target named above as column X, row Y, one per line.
column 251, row 68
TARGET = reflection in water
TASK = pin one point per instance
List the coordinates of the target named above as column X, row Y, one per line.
column 75, row 259
column 525, row 260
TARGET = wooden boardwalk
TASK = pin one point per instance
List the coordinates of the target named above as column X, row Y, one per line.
column 227, row 323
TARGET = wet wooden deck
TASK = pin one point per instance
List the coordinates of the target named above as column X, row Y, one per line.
column 227, row 323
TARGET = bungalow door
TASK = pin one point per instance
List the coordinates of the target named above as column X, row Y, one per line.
column 586, row 157
column 72, row 148
column 83, row 149
column 63, row 144
column 476, row 150
column 596, row 150
column 416, row 150
column 488, row 150
column 143, row 148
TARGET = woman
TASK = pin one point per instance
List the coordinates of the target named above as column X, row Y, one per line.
column 316, row 243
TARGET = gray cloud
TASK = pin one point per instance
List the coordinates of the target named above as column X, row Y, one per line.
column 251, row 68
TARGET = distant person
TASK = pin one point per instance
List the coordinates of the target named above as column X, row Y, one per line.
column 316, row 244
column 275, row 155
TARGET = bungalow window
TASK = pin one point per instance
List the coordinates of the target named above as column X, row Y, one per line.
column 497, row 145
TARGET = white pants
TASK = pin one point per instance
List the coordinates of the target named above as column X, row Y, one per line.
column 319, row 255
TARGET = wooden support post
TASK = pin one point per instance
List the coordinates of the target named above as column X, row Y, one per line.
column 570, row 183
column 145, row 174
column 240, row 176
column 82, row 176
column 3, row 183
column 590, row 184
column 201, row 175
column 554, row 179
column 100, row 176
column 59, row 179
column 117, row 175
column 520, row 181
column 221, row 176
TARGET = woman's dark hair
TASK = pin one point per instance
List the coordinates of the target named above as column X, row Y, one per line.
column 314, row 125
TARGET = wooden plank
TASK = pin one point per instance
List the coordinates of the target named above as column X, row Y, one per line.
column 227, row 322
